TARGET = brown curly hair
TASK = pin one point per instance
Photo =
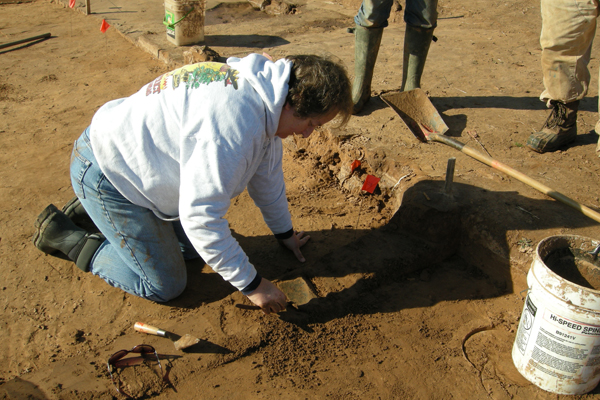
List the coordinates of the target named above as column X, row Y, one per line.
column 319, row 85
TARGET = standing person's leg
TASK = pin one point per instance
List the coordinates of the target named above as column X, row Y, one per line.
column 141, row 254
column 372, row 17
column 568, row 29
column 421, row 20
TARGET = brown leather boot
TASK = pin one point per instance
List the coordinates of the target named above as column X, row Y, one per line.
column 559, row 129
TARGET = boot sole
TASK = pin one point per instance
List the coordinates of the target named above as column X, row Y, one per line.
column 40, row 224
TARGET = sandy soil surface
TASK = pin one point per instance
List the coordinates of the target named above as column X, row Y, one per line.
column 419, row 292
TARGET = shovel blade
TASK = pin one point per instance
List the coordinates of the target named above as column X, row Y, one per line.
column 417, row 112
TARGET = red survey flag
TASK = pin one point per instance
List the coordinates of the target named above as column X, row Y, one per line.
column 71, row 3
column 355, row 164
column 370, row 183
column 104, row 27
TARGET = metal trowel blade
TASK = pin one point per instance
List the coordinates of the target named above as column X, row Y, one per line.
column 298, row 291
column 184, row 341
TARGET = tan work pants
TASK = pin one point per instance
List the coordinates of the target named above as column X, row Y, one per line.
column 568, row 29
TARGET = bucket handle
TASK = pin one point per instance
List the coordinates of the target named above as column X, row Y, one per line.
column 172, row 26
column 524, row 290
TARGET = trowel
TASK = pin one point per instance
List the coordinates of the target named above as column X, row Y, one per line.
column 180, row 342
column 423, row 120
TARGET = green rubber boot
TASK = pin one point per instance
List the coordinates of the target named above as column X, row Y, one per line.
column 559, row 129
column 74, row 210
column 416, row 47
column 55, row 232
column 76, row 213
column 366, row 47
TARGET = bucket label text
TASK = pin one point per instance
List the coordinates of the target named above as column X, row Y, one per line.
column 574, row 327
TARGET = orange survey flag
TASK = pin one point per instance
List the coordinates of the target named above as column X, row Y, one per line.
column 370, row 183
column 355, row 164
column 71, row 3
column 104, row 27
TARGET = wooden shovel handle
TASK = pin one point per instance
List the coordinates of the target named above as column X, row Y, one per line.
column 31, row 39
column 515, row 174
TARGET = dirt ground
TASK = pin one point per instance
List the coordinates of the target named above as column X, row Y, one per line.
column 419, row 291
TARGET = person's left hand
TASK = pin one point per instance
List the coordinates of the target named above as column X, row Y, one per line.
column 294, row 242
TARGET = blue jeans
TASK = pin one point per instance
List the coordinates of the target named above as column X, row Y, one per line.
column 418, row 13
column 142, row 255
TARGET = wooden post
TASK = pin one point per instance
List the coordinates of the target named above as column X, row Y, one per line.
column 449, row 175
column 88, row 10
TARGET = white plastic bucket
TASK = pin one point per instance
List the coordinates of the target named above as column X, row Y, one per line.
column 184, row 20
column 557, row 346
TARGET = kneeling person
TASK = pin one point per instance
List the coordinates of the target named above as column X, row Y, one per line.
column 156, row 172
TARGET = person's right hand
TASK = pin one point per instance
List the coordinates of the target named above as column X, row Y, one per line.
column 268, row 297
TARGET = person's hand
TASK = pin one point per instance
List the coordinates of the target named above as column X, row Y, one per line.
column 297, row 240
column 268, row 297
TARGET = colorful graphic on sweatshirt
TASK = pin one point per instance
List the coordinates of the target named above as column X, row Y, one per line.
column 192, row 76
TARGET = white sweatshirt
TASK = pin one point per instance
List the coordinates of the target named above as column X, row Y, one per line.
column 192, row 140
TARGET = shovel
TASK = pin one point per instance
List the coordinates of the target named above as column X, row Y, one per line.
column 423, row 120
column 180, row 342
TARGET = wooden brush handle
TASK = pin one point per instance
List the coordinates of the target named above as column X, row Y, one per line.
column 152, row 330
